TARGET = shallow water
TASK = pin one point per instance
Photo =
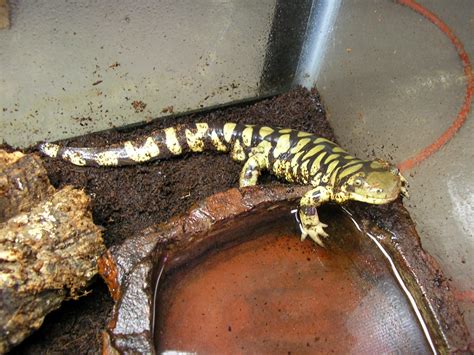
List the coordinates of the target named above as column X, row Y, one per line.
column 277, row 294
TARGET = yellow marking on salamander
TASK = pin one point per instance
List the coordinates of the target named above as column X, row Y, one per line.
column 285, row 130
column 139, row 154
column 107, row 158
column 202, row 127
column 314, row 151
column 217, row 143
column 228, row 130
column 238, row 152
column 262, row 149
column 332, row 181
column 171, row 141
column 282, row 146
column 301, row 143
column 265, row 131
column 247, row 136
column 288, row 173
column 295, row 165
column 317, row 163
column 195, row 140
column 294, row 169
column 317, row 179
column 350, row 170
column 304, row 169
column 304, row 134
column 331, row 167
column 281, row 168
column 322, row 140
column 74, row 158
column 331, row 158
column 276, row 168
column 338, row 150
column 50, row 149
column 151, row 147
column 294, row 160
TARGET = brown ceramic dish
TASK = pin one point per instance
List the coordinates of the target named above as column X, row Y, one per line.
column 232, row 276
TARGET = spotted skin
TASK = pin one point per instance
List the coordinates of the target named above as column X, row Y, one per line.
column 297, row 157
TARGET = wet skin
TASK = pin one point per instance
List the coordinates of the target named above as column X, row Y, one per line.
column 297, row 157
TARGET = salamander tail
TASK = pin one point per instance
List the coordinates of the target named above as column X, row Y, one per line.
column 49, row 149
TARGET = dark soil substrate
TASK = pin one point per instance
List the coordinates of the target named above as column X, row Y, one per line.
column 128, row 199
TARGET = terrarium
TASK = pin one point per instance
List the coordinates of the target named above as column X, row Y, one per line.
column 126, row 127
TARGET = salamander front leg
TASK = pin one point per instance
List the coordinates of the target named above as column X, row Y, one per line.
column 404, row 186
column 310, row 225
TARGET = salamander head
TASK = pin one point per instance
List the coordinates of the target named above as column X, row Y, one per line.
column 375, row 182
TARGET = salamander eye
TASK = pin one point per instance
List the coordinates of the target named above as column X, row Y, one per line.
column 357, row 182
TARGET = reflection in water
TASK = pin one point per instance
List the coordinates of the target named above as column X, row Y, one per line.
column 400, row 282
column 275, row 293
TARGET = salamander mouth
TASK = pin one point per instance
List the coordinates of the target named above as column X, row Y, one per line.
column 382, row 200
column 378, row 199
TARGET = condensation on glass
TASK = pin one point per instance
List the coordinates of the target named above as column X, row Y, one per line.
column 71, row 68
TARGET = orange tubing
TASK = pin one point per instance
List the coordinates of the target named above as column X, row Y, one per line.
column 462, row 114
column 466, row 106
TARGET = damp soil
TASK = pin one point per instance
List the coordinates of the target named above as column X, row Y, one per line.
column 128, row 199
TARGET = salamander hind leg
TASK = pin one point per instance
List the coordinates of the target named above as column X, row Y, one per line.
column 252, row 169
column 310, row 224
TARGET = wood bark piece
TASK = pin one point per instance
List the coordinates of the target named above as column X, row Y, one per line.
column 23, row 183
column 46, row 254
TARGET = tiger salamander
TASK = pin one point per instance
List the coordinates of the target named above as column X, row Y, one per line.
column 297, row 157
